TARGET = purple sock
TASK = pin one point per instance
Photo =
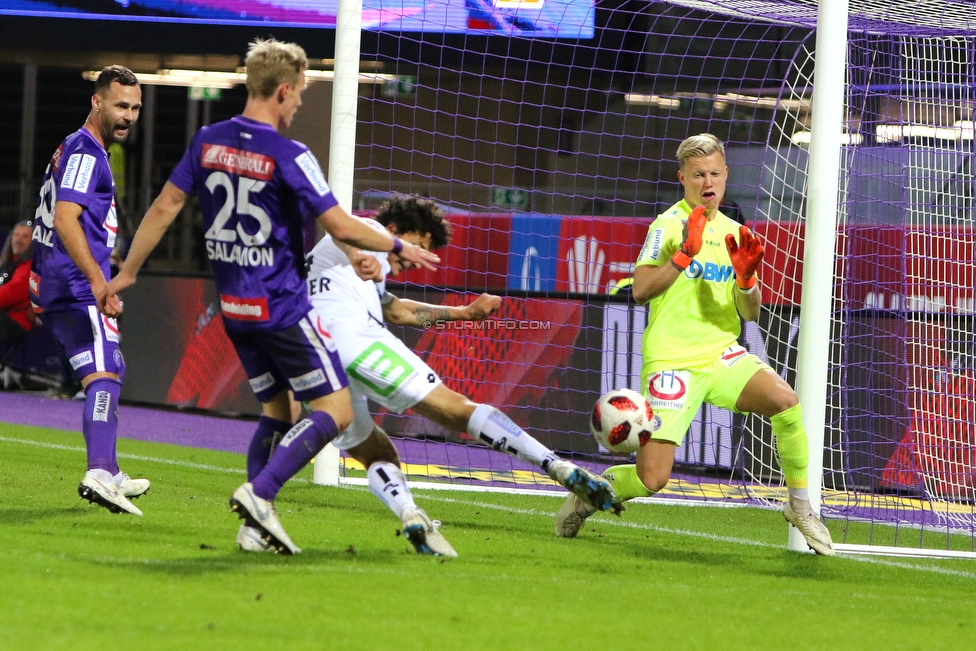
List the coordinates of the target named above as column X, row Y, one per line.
column 100, row 422
column 259, row 451
column 296, row 449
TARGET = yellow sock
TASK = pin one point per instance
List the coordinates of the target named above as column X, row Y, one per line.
column 626, row 484
column 791, row 441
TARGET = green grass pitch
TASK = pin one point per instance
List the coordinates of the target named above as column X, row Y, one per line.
column 661, row 578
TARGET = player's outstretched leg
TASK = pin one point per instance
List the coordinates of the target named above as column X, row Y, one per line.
column 813, row 530
column 260, row 514
column 592, row 489
column 490, row 426
column 387, row 482
column 98, row 488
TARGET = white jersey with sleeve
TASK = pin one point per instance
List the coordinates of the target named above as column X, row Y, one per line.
column 335, row 289
column 380, row 367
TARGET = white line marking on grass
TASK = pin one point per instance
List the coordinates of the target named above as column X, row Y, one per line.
column 708, row 536
column 500, row 507
column 135, row 457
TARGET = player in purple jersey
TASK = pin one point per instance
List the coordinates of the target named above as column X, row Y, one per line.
column 74, row 233
column 256, row 189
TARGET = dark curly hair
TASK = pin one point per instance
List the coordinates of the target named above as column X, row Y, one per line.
column 412, row 214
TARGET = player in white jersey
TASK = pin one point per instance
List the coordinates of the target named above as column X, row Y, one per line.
column 381, row 368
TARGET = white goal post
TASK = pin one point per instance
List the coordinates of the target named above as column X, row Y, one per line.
column 801, row 180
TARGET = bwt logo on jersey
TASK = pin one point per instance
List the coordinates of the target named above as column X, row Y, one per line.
column 244, row 309
column 34, row 283
column 668, row 389
column 237, row 161
column 709, row 271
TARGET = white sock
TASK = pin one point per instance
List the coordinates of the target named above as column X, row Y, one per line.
column 103, row 476
column 798, row 496
column 496, row 430
column 388, row 483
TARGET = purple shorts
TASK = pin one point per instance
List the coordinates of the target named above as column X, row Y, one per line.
column 302, row 358
column 90, row 339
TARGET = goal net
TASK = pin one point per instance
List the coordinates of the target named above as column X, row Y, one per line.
column 551, row 156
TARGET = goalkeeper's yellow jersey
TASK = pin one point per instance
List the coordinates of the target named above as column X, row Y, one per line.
column 695, row 320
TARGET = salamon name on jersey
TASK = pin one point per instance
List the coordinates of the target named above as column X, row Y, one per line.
column 237, row 161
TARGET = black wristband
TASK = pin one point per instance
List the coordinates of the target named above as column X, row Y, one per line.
column 397, row 245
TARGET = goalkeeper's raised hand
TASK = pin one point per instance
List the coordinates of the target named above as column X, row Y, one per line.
column 746, row 256
column 693, row 239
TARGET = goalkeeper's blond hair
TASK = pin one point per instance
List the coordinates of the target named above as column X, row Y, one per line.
column 270, row 63
column 700, row 146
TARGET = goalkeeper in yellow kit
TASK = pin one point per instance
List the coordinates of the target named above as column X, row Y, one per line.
column 697, row 273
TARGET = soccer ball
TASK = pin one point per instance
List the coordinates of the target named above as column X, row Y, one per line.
column 622, row 421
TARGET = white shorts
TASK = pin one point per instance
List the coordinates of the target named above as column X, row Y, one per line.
column 380, row 368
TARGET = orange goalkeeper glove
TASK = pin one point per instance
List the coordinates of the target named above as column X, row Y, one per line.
column 746, row 256
column 693, row 239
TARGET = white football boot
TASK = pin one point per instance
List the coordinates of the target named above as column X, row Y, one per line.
column 131, row 488
column 424, row 534
column 260, row 514
column 105, row 494
column 571, row 516
column 249, row 540
column 813, row 530
column 592, row 489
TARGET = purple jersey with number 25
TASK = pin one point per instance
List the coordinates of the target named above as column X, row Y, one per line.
column 256, row 188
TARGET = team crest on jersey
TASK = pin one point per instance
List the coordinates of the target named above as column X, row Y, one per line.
column 668, row 389
column 237, row 161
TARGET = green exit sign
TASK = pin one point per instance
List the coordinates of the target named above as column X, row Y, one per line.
column 401, row 85
column 205, row 94
column 511, row 198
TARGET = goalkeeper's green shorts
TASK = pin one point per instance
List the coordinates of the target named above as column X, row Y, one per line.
column 676, row 395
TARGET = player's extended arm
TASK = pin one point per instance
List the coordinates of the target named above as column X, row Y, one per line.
column 651, row 281
column 366, row 266
column 345, row 228
column 746, row 255
column 163, row 211
column 66, row 215
column 414, row 313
